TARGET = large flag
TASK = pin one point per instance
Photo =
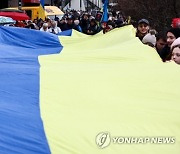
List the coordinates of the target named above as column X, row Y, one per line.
column 21, row 127
column 105, row 10
column 79, row 94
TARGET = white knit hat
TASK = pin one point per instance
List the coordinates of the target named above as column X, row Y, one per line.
column 149, row 38
column 76, row 22
column 176, row 42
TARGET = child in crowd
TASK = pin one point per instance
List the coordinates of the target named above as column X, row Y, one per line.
column 175, row 49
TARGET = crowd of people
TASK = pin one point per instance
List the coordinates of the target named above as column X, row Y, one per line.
column 165, row 43
column 87, row 23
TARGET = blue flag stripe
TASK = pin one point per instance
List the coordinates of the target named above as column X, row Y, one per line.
column 21, row 127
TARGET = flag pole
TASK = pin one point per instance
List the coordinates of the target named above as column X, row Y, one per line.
column 80, row 4
column 19, row 4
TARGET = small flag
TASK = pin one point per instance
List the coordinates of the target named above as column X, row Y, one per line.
column 42, row 3
column 105, row 10
column 41, row 10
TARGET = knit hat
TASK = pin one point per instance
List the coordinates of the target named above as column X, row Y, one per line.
column 175, row 31
column 150, row 38
column 175, row 43
column 76, row 22
column 176, row 23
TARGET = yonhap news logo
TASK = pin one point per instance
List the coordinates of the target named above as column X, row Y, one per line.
column 104, row 139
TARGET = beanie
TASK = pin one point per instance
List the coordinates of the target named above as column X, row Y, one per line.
column 175, row 43
column 76, row 22
column 175, row 31
column 176, row 23
column 149, row 38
